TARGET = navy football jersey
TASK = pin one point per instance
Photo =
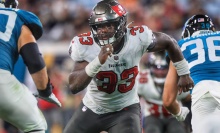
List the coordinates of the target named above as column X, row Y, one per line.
column 10, row 29
column 203, row 55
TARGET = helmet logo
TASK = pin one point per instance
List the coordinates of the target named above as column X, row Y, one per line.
column 100, row 19
column 119, row 10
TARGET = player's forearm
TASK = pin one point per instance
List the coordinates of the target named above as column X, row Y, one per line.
column 78, row 81
column 172, row 107
column 40, row 79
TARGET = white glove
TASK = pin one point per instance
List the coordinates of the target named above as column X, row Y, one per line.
column 52, row 99
column 181, row 116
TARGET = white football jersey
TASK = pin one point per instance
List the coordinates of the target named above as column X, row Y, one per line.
column 153, row 95
column 113, row 88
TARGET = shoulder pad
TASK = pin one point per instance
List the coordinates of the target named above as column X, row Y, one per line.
column 82, row 48
column 32, row 22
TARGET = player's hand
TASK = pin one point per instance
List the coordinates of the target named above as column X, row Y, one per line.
column 185, row 83
column 181, row 116
column 106, row 51
column 52, row 99
column 47, row 94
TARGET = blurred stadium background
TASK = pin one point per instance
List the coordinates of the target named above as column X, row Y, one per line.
column 64, row 19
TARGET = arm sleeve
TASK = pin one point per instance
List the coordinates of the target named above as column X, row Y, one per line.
column 32, row 22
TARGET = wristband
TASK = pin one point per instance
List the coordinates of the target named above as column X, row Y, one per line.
column 93, row 67
column 46, row 92
column 182, row 67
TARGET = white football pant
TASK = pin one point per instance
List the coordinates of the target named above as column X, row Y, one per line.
column 205, row 105
column 18, row 106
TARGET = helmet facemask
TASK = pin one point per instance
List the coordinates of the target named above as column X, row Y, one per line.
column 159, row 73
column 104, row 13
column 158, row 66
column 111, row 36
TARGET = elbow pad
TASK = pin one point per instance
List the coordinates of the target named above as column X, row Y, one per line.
column 32, row 57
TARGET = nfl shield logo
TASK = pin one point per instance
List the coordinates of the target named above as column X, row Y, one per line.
column 116, row 58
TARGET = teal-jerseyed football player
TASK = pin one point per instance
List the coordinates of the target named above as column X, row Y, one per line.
column 200, row 46
column 19, row 31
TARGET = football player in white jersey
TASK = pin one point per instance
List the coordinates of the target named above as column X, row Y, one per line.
column 106, row 63
column 19, row 31
column 150, row 84
column 200, row 46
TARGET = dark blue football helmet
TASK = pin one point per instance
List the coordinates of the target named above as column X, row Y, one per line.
column 196, row 23
column 9, row 3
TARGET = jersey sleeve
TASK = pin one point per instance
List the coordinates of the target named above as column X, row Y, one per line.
column 146, row 37
column 74, row 51
column 82, row 48
column 32, row 22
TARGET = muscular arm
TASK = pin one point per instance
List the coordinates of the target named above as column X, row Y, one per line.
column 170, row 91
column 164, row 42
column 78, row 79
column 40, row 78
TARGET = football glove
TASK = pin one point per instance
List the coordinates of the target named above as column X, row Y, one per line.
column 47, row 94
column 52, row 99
column 181, row 116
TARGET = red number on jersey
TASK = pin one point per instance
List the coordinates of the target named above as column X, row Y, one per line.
column 85, row 39
column 110, row 80
column 133, row 30
column 143, row 77
column 123, row 88
column 108, row 87
column 158, row 110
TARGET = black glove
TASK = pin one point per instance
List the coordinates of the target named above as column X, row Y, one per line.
column 47, row 94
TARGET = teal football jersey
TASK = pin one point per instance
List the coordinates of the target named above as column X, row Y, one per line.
column 203, row 55
column 10, row 28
